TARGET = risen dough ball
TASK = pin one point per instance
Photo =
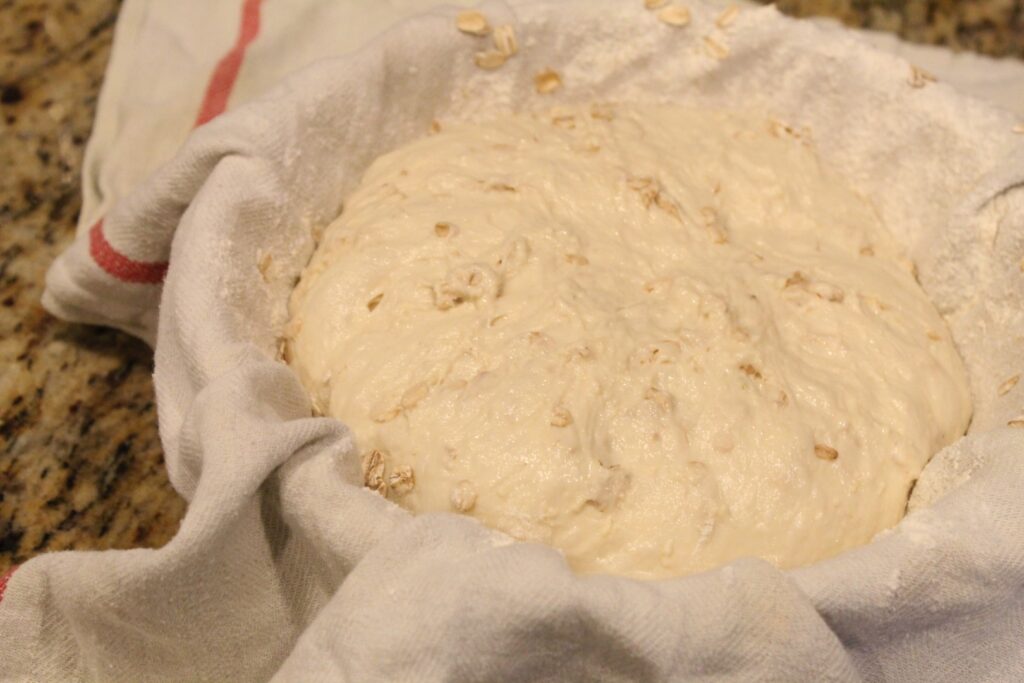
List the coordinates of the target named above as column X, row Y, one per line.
column 657, row 339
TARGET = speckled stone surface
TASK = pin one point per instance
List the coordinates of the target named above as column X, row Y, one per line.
column 80, row 461
column 992, row 27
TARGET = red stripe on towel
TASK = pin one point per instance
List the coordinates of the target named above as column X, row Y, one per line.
column 120, row 266
column 224, row 76
column 4, row 579
column 222, row 82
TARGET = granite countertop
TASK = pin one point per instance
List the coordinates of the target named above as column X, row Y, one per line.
column 992, row 27
column 80, row 461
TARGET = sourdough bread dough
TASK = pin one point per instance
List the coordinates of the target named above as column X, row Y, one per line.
column 655, row 338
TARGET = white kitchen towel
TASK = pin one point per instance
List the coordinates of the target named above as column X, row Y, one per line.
column 286, row 568
column 176, row 65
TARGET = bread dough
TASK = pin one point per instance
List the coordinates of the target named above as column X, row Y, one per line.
column 655, row 338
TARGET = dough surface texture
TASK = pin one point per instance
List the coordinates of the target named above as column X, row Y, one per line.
column 655, row 338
